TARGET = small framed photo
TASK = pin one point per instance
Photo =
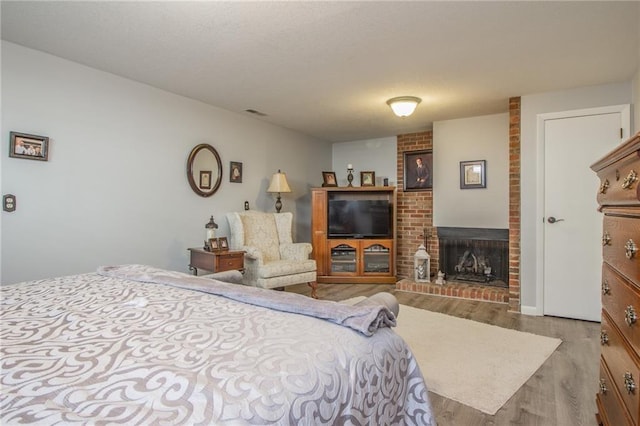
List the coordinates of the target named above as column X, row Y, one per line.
column 417, row 170
column 235, row 172
column 329, row 179
column 473, row 174
column 213, row 244
column 31, row 147
column 205, row 179
column 367, row 178
column 223, row 244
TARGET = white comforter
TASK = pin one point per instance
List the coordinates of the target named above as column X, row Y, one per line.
column 100, row 349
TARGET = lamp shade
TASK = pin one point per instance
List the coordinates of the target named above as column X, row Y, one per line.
column 279, row 183
column 404, row 106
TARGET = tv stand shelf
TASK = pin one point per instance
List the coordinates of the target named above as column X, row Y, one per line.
column 353, row 258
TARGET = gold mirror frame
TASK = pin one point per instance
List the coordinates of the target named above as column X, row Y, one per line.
column 204, row 187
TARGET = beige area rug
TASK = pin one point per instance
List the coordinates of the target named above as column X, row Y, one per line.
column 476, row 364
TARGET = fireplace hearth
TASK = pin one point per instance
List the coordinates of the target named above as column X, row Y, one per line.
column 476, row 255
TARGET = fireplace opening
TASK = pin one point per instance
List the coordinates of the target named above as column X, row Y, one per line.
column 478, row 255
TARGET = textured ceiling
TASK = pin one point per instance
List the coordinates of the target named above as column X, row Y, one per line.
column 326, row 68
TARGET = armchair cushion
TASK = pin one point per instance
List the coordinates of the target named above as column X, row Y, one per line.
column 278, row 268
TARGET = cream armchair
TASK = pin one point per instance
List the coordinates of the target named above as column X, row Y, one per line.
column 271, row 257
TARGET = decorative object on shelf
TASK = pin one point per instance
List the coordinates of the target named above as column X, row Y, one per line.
column 278, row 185
column 223, row 244
column 30, row 147
column 472, row 174
column 440, row 280
column 350, row 174
column 417, row 170
column 210, row 228
column 205, row 179
column 204, row 158
column 367, row 178
column 329, row 179
column 422, row 264
column 235, row 172
column 404, row 106
column 385, row 182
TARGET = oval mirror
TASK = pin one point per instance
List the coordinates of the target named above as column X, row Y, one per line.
column 204, row 170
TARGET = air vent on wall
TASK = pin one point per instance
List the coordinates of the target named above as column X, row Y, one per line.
column 253, row 111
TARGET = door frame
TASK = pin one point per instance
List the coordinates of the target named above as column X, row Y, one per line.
column 625, row 114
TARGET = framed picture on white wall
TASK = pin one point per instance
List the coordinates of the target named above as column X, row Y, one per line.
column 473, row 174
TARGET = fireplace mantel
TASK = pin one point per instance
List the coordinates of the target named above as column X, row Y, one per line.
column 489, row 234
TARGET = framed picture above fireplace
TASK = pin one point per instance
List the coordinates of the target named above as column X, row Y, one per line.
column 473, row 174
column 418, row 170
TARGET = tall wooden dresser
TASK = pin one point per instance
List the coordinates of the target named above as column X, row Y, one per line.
column 618, row 397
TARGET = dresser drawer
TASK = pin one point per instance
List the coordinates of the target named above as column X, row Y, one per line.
column 621, row 301
column 612, row 412
column 621, row 242
column 624, row 371
column 619, row 182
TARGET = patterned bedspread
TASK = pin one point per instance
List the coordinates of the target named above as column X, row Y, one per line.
column 97, row 349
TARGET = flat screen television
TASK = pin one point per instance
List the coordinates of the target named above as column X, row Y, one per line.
column 359, row 218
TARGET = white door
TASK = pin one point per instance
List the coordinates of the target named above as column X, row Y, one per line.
column 572, row 226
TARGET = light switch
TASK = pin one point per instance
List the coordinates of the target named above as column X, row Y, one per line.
column 9, row 203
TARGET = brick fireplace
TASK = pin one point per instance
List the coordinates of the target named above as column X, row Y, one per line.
column 475, row 255
column 415, row 227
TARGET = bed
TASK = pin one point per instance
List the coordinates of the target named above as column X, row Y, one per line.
column 134, row 344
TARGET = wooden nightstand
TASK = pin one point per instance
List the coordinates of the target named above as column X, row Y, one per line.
column 216, row 261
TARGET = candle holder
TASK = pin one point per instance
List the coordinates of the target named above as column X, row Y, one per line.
column 350, row 176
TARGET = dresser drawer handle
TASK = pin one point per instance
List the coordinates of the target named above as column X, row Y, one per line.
column 630, row 249
column 606, row 239
column 630, row 316
column 629, row 383
column 603, row 387
column 605, row 288
column 604, row 186
column 604, row 338
column 628, row 182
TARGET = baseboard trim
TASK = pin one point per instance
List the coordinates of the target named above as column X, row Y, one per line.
column 530, row 310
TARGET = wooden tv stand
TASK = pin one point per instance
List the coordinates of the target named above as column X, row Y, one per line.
column 352, row 260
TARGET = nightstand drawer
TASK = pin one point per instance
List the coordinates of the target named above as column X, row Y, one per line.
column 215, row 261
column 229, row 261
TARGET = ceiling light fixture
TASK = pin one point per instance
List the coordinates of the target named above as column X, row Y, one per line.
column 403, row 106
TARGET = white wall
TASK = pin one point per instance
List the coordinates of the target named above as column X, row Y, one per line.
column 470, row 139
column 115, row 188
column 377, row 155
column 531, row 106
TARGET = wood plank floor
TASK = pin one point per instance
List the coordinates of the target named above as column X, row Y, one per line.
column 562, row 392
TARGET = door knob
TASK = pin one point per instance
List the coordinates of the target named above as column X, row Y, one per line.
column 552, row 219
